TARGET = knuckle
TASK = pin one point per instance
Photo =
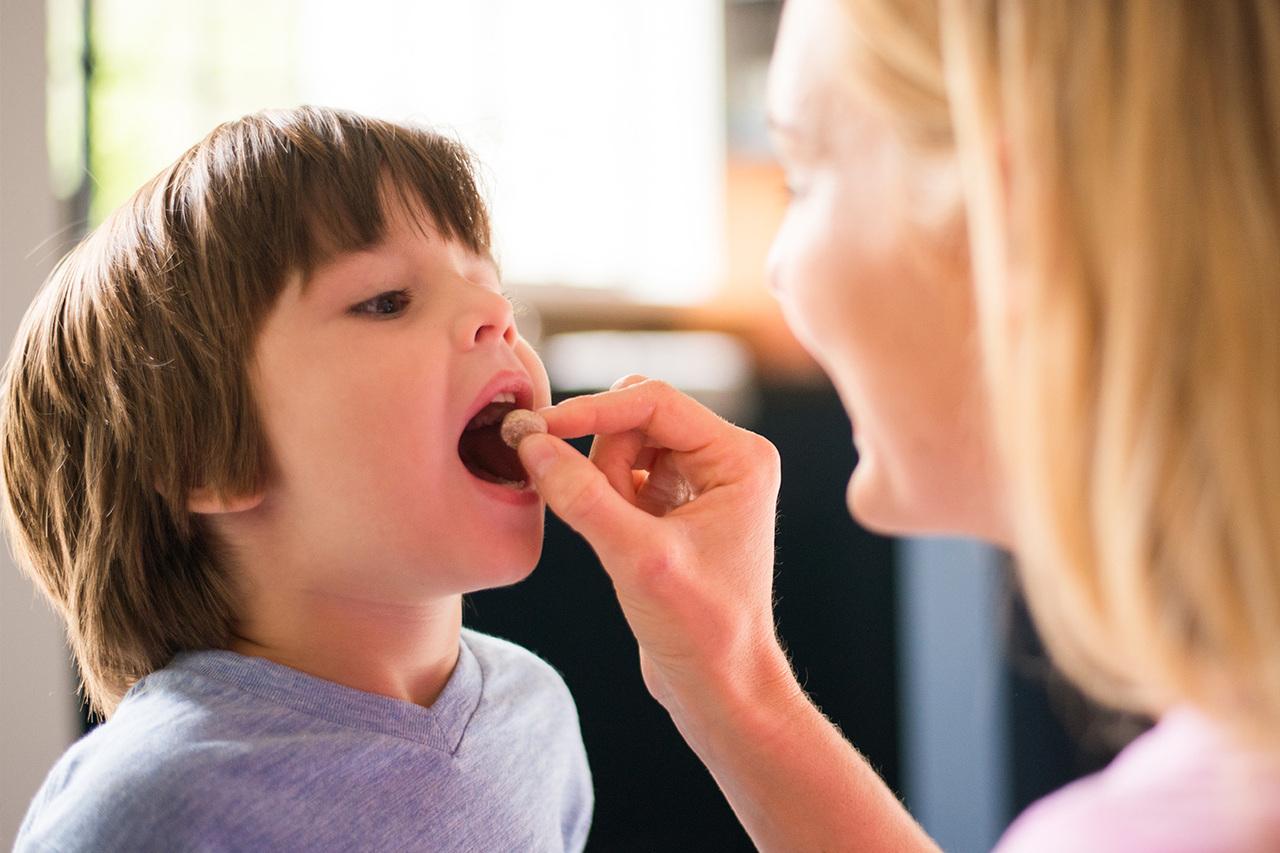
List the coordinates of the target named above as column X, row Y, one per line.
column 765, row 461
column 764, row 450
column 658, row 387
column 660, row 570
column 628, row 380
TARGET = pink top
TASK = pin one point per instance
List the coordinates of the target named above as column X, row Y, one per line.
column 1182, row 787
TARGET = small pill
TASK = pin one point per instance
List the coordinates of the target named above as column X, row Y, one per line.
column 519, row 423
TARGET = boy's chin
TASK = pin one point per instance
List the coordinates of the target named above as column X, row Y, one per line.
column 507, row 569
column 507, row 576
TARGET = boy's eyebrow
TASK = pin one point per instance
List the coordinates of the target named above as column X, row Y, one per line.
column 327, row 267
column 330, row 266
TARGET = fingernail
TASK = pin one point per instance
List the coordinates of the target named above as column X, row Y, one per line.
column 538, row 452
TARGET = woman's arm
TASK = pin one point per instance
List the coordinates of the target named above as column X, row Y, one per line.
column 679, row 506
column 791, row 777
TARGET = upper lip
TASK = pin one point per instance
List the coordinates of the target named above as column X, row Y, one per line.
column 502, row 382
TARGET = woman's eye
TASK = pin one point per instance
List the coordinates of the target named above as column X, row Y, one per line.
column 389, row 304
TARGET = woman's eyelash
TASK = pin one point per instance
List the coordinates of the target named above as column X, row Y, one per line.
column 397, row 300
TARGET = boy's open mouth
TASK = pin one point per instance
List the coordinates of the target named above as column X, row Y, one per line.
column 485, row 454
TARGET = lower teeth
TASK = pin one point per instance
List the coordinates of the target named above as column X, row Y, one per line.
column 498, row 481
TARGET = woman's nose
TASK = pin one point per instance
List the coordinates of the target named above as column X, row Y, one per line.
column 486, row 318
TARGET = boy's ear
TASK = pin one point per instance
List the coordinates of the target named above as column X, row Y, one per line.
column 210, row 502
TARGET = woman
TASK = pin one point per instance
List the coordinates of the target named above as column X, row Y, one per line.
column 1074, row 205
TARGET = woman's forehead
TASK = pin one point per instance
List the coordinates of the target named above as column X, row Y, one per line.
column 802, row 86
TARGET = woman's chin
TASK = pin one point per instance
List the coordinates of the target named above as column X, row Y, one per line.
column 877, row 506
column 863, row 504
column 873, row 503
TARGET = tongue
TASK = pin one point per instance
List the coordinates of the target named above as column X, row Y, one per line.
column 488, row 457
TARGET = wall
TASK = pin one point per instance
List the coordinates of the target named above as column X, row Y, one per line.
column 37, row 708
column 953, row 691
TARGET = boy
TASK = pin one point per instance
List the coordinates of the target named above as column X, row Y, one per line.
column 250, row 452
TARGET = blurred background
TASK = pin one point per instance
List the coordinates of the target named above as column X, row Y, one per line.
column 634, row 196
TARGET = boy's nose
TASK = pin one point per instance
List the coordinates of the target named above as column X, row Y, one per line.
column 487, row 318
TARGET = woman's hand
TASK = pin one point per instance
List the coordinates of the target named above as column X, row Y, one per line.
column 679, row 505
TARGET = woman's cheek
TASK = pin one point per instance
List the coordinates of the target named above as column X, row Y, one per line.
column 816, row 297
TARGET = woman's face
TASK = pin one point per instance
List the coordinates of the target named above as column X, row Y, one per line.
column 883, row 304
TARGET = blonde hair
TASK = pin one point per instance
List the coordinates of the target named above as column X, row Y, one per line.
column 1122, row 184
column 127, row 385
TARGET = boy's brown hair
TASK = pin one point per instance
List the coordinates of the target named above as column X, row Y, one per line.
column 127, row 384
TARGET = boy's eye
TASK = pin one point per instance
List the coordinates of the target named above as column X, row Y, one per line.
column 389, row 304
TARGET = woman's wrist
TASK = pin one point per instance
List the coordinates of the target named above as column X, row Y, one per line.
column 751, row 701
column 791, row 777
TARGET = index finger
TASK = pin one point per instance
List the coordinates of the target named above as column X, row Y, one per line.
column 667, row 417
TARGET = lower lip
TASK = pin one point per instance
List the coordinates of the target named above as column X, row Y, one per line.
column 506, row 494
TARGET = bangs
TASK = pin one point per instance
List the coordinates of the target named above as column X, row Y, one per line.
column 278, row 192
column 346, row 208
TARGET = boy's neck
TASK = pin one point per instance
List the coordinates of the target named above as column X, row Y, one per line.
column 403, row 651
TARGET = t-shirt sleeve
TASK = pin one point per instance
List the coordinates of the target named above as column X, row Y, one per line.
column 120, row 814
column 139, row 801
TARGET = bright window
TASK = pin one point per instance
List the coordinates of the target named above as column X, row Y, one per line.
column 600, row 124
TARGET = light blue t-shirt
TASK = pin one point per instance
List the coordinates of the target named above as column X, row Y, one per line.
column 220, row 751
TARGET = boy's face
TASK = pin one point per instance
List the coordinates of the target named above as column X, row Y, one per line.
column 365, row 385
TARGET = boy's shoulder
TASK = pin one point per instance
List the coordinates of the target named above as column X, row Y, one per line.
column 507, row 666
column 504, row 653
column 130, row 775
column 162, row 767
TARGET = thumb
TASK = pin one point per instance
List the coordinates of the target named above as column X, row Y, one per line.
column 577, row 491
